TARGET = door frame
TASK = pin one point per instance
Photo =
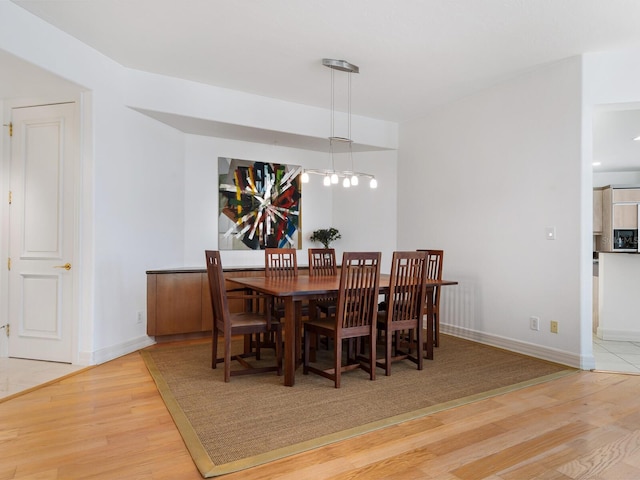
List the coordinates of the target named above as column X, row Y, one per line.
column 5, row 161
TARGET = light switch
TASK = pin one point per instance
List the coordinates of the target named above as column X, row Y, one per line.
column 550, row 233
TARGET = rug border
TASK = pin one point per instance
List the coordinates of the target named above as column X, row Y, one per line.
column 209, row 469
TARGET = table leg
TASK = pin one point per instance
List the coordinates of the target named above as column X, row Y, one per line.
column 298, row 319
column 289, row 342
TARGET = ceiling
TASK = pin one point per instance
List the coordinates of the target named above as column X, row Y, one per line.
column 413, row 54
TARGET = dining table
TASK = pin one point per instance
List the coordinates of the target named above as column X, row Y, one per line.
column 294, row 290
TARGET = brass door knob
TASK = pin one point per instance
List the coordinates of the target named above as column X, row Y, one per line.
column 66, row 266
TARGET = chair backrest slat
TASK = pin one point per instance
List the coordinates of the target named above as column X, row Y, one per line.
column 322, row 262
column 358, row 294
column 434, row 263
column 407, row 289
column 280, row 262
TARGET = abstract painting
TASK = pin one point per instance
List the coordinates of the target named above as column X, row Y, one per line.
column 259, row 205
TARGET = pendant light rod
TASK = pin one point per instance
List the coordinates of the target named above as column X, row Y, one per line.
column 331, row 176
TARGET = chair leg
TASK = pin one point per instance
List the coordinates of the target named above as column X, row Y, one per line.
column 372, row 356
column 258, row 342
column 419, row 348
column 306, row 342
column 279, row 350
column 227, row 358
column 387, row 353
column 214, row 347
column 337, row 360
column 436, row 327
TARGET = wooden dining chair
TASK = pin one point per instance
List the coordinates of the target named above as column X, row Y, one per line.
column 435, row 259
column 355, row 318
column 322, row 263
column 405, row 308
column 245, row 323
column 280, row 262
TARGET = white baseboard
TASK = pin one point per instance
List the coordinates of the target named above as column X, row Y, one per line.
column 109, row 353
column 532, row 350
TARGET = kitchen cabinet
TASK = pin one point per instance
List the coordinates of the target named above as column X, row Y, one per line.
column 621, row 195
column 625, row 215
column 619, row 212
column 597, row 211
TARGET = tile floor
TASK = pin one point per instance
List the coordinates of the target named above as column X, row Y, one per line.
column 18, row 374
column 616, row 356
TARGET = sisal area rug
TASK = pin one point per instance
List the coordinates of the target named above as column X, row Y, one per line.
column 254, row 419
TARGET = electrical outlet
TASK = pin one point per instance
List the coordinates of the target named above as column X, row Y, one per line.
column 140, row 319
column 554, row 326
column 534, row 323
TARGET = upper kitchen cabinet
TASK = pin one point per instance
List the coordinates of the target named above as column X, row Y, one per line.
column 623, row 195
column 619, row 218
column 597, row 211
column 625, row 216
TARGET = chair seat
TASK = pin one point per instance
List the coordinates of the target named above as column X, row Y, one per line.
column 327, row 305
column 279, row 309
column 250, row 319
column 320, row 325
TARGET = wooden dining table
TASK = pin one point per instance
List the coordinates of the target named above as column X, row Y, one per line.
column 294, row 290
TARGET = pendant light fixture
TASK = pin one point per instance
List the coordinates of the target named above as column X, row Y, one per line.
column 333, row 176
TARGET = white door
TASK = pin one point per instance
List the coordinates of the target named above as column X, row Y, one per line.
column 41, row 237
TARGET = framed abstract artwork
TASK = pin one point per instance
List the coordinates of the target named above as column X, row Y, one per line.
column 258, row 205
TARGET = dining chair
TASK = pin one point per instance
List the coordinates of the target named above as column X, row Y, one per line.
column 405, row 307
column 355, row 318
column 280, row 262
column 435, row 259
column 322, row 262
column 244, row 323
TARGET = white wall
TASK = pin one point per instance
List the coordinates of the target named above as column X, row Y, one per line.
column 367, row 218
column 144, row 185
column 138, row 217
column 201, row 196
column 616, row 178
column 482, row 178
column 322, row 207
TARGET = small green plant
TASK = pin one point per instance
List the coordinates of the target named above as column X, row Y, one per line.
column 325, row 236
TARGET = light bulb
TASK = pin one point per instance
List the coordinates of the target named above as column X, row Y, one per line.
column 346, row 183
column 354, row 180
column 334, row 178
column 305, row 177
column 373, row 183
column 326, row 181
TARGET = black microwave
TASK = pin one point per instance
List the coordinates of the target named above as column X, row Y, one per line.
column 625, row 240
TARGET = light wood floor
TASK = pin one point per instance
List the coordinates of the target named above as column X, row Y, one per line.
column 109, row 422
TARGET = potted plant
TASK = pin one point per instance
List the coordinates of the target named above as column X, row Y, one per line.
column 325, row 236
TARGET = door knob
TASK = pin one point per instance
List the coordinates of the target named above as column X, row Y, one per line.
column 66, row 266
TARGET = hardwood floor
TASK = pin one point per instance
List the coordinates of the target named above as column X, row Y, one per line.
column 109, row 422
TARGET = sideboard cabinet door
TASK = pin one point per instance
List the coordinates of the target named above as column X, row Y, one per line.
column 174, row 303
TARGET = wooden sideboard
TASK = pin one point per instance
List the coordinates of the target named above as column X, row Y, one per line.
column 179, row 302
